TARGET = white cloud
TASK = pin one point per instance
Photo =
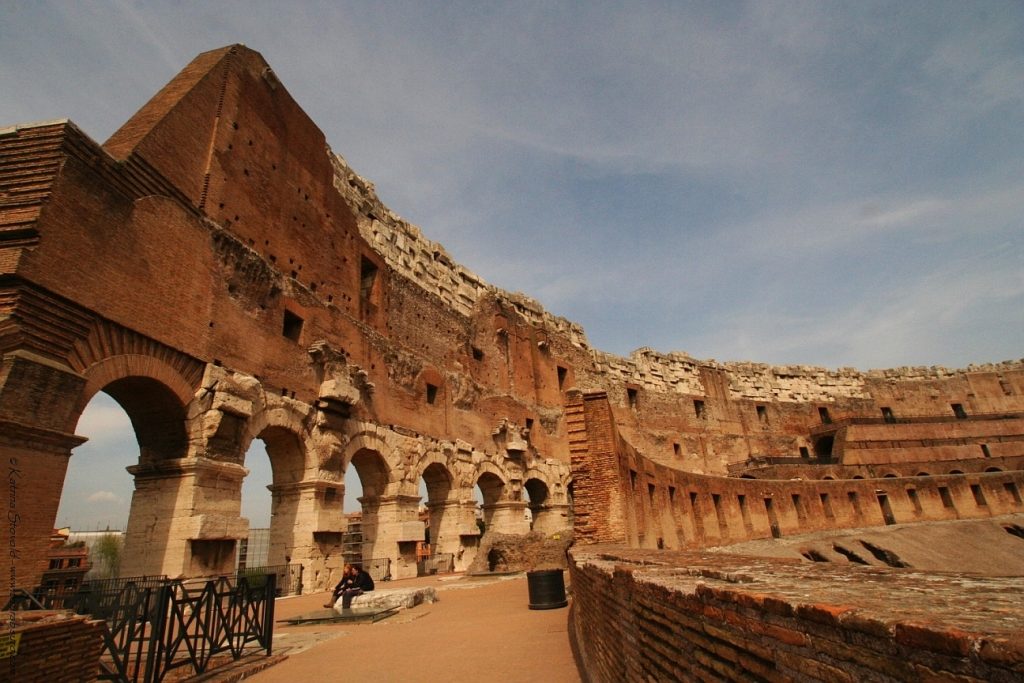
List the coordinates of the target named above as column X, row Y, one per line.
column 102, row 497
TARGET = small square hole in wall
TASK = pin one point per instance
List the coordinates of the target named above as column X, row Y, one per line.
column 292, row 326
column 431, row 394
column 529, row 423
column 477, row 354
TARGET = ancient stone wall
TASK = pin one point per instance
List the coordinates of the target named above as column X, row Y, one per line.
column 225, row 277
column 687, row 616
column 47, row 646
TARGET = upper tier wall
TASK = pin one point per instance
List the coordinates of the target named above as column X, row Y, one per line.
column 426, row 263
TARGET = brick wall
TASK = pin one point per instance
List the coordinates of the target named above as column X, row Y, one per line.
column 54, row 647
column 643, row 616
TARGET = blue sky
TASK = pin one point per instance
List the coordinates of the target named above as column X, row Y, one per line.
column 837, row 184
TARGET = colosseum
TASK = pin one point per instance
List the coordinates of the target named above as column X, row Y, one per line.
column 225, row 277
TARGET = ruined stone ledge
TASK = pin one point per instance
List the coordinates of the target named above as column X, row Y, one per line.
column 679, row 612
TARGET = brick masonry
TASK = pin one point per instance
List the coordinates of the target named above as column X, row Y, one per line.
column 692, row 616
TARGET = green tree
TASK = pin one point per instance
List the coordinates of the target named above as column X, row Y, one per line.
column 107, row 555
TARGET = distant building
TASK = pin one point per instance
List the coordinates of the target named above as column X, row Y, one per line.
column 67, row 564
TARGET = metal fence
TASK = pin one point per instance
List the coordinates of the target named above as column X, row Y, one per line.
column 439, row 563
column 379, row 568
column 288, row 577
column 155, row 625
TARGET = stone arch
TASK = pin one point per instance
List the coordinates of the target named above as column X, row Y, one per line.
column 546, row 514
column 493, row 485
column 156, row 397
column 993, row 469
column 956, row 471
column 153, row 394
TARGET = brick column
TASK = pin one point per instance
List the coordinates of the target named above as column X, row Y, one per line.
column 37, row 403
column 598, row 499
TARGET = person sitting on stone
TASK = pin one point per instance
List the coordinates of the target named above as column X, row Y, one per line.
column 362, row 582
column 346, row 582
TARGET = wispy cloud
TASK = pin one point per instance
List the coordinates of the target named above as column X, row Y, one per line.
column 102, row 497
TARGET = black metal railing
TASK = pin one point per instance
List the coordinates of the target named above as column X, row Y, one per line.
column 288, row 577
column 439, row 563
column 155, row 625
column 379, row 568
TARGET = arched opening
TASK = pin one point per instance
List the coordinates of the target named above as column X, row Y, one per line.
column 154, row 433
column 923, row 474
column 538, row 505
column 254, row 549
column 888, row 475
column 956, row 471
column 373, row 479
column 823, row 447
column 285, row 456
column 95, row 502
column 490, row 488
column 993, row 469
column 438, row 552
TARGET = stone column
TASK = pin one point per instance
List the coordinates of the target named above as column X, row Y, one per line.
column 185, row 518
column 507, row 517
column 549, row 518
column 391, row 529
column 38, row 398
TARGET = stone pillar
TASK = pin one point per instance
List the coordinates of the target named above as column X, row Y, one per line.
column 507, row 517
column 185, row 518
column 549, row 518
column 391, row 529
column 305, row 529
column 469, row 534
column 37, row 404
column 445, row 527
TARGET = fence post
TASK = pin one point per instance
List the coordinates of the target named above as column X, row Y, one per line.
column 268, row 611
column 158, row 627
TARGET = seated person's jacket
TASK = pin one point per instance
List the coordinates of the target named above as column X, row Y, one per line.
column 364, row 581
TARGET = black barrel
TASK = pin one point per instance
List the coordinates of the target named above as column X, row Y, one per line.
column 547, row 589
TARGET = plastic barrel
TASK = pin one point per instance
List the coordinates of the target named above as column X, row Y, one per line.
column 547, row 589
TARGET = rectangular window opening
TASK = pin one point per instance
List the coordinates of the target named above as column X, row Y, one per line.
column 1011, row 488
column 854, row 503
column 888, row 415
column 650, row 493
column 804, row 453
column 367, row 279
column 631, row 397
column 562, row 374
column 431, row 393
column 477, row 354
column 883, row 503
column 947, row 500
column 985, row 451
column 292, row 328
column 632, row 480
column 958, row 410
column 698, row 409
column 676, row 449
column 915, row 500
column 824, row 415
column 672, row 494
column 826, row 505
column 762, row 414
column 979, row 495
column 799, row 508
